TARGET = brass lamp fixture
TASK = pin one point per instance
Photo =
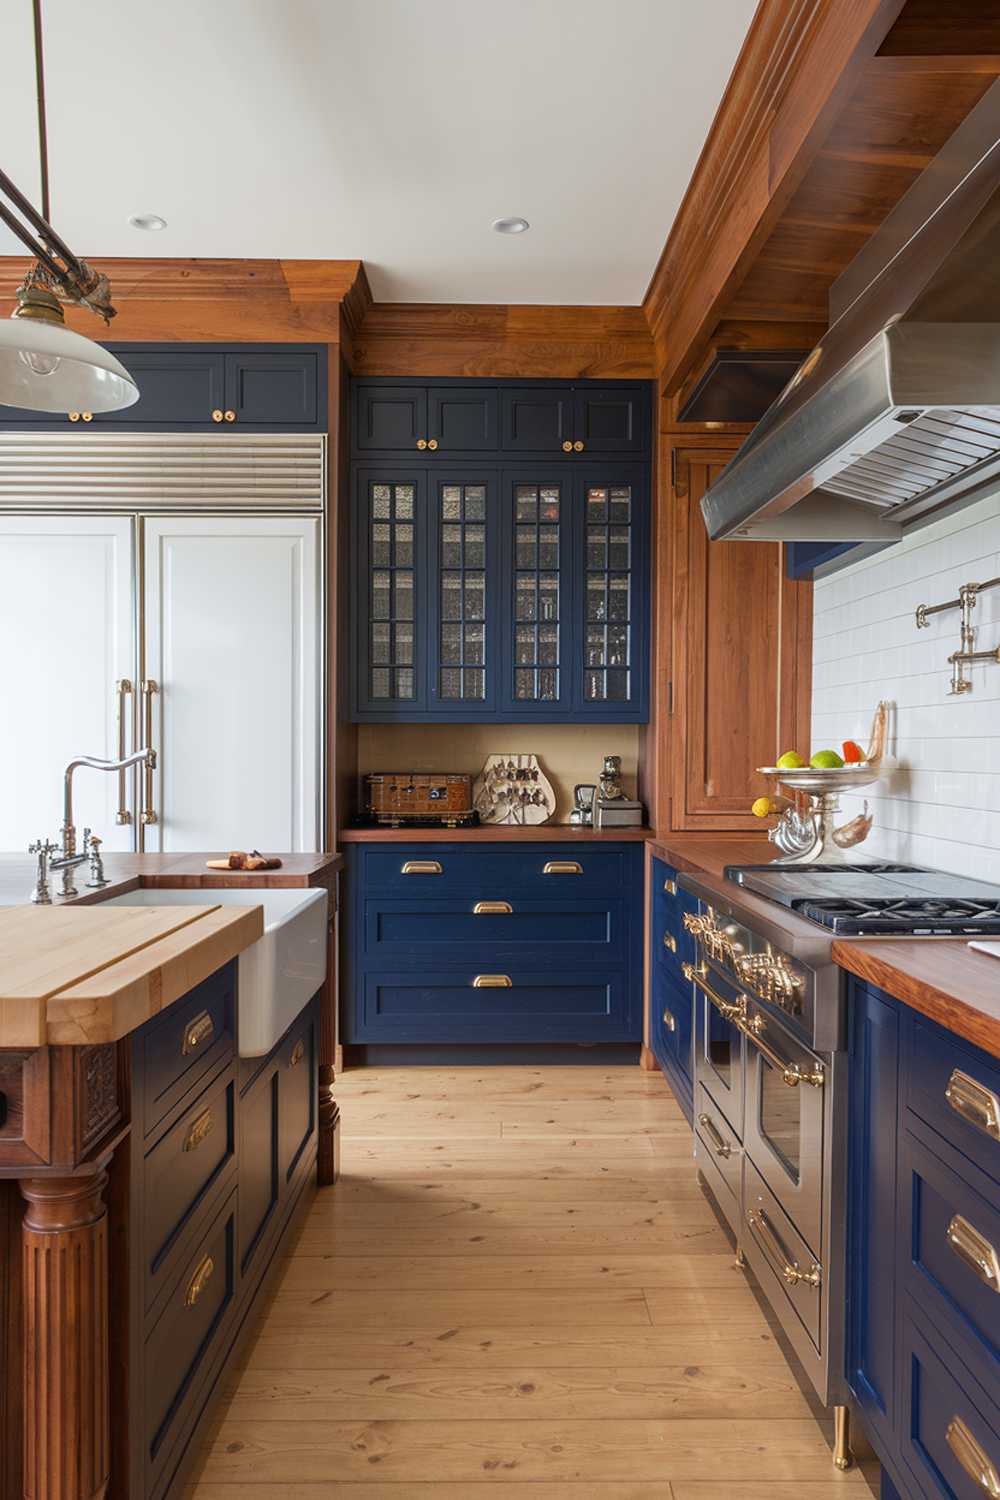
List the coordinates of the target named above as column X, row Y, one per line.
column 45, row 366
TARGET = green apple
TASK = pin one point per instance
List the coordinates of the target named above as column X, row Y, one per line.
column 791, row 761
column 826, row 760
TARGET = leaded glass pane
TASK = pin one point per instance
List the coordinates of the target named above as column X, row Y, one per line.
column 608, row 562
column 462, row 598
column 391, row 581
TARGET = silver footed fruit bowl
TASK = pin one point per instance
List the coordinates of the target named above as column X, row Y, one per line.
column 810, row 779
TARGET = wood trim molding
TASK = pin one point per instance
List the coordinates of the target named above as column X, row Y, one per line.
column 798, row 65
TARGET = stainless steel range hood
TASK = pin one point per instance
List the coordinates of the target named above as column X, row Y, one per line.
column 895, row 416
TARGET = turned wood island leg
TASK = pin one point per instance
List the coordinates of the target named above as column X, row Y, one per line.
column 65, row 1287
column 328, row 1162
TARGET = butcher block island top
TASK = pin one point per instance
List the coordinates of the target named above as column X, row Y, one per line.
column 79, row 975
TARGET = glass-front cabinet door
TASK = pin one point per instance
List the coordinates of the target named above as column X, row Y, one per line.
column 536, row 583
column 390, row 589
column 464, row 652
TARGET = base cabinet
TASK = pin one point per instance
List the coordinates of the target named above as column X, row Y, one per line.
column 671, row 999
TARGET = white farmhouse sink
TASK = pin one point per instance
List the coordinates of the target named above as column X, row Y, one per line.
column 281, row 971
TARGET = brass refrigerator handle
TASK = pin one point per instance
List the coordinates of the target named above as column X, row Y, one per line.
column 123, row 690
column 789, row 1270
column 972, row 1457
column 790, row 1073
column 974, row 1102
column 975, row 1250
column 148, row 687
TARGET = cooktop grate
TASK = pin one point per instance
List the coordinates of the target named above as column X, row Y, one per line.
column 921, row 915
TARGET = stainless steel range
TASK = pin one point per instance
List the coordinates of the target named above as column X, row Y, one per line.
column 770, row 1070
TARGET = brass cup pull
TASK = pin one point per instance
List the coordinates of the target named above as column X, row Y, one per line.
column 217, row 414
column 199, row 1281
column 74, row 416
column 200, row 1129
column 972, row 1457
column 789, row 1270
column 492, row 982
column 578, row 446
column 975, row 1250
column 432, row 443
column 567, row 446
column 670, row 886
column 422, row 867
column 670, row 942
column 974, row 1102
column 562, row 867
column 229, row 415
column 200, row 1030
column 492, row 909
column 720, row 1145
column 421, row 444
column 669, row 1021
column 298, row 1053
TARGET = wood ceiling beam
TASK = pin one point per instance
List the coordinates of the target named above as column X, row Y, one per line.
column 797, row 68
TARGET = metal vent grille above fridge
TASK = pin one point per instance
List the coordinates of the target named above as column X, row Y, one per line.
column 932, row 449
column 161, row 472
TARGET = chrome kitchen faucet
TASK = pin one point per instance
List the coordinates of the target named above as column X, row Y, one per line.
column 68, row 857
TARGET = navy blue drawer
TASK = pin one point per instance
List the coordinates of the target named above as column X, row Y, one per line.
column 584, row 1005
column 497, row 871
column 671, row 943
column 956, row 1089
column 451, row 931
column 950, row 1258
column 180, row 1171
column 950, row 1424
column 193, row 1037
column 672, row 1017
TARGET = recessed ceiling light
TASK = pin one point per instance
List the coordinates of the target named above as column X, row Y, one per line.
column 510, row 226
column 147, row 221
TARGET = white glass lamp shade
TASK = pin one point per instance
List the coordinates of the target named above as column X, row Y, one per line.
column 46, row 367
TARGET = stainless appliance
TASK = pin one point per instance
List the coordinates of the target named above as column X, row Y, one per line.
column 895, row 416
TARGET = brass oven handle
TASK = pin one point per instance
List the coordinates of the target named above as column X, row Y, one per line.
column 668, row 1020
column 670, row 942
column 201, row 1128
column 670, row 886
column 148, row 687
column 562, row 867
column 123, row 690
column 974, row 1102
column 200, row 1029
column 730, row 1011
column 298, row 1053
column 972, row 1457
column 492, row 982
column 492, row 909
column 975, row 1250
column 789, row 1270
column 790, row 1072
column 422, row 867
column 720, row 1145
column 199, row 1281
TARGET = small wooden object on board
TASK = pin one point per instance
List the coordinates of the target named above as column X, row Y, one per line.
column 250, row 863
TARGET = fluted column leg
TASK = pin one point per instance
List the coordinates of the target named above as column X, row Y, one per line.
column 66, row 1416
column 328, row 1166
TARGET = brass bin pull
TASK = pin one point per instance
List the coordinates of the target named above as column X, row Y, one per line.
column 720, row 1145
column 727, row 1008
column 201, row 1128
column 965, row 1240
column 123, row 690
column 492, row 909
column 298, row 1053
column 669, row 1021
column 200, row 1029
column 670, row 886
column 562, row 867
column 974, row 1102
column 789, row 1270
column 492, row 982
column 972, row 1457
column 199, row 1281
column 790, row 1073
column 148, row 687
column 670, row 942
column 422, row 867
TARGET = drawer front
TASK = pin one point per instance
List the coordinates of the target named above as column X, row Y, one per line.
column 179, row 1346
column 719, row 1156
column 497, row 872
column 672, row 944
column 259, row 1184
column 193, row 1037
column 180, row 1170
column 487, row 933
column 296, row 1094
column 956, row 1089
column 776, row 1250
column 950, row 1430
column 950, row 1251
column 534, row 1006
column 673, row 1019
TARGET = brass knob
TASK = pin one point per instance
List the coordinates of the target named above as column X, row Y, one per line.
column 670, row 942
column 421, row 443
column 217, row 415
column 74, row 416
column 578, row 446
column 88, row 416
column 433, row 443
column 567, row 446
column 229, row 415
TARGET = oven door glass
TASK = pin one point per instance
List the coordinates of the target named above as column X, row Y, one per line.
column 719, row 1048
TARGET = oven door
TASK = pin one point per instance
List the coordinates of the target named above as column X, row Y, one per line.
column 786, row 1088
column 718, row 1043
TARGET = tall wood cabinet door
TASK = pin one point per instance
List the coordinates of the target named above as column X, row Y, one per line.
column 231, row 639
column 66, row 620
column 741, row 660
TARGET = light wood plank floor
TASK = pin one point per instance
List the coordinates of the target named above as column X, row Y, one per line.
column 517, row 1286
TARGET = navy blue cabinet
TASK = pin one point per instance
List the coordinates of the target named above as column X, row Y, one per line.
column 183, row 387
column 924, row 1242
column 493, row 943
column 671, row 999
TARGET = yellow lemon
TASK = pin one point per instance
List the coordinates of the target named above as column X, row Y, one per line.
column 762, row 807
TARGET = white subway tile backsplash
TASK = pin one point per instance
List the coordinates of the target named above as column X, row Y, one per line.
column 940, row 804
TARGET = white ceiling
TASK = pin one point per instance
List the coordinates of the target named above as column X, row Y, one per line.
column 390, row 130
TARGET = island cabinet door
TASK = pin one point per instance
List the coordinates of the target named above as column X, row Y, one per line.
column 68, row 654
column 230, row 683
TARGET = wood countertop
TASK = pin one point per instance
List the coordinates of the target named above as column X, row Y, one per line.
column 702, row 853
column 130, row 872
column 74, row 976
column 492, row 833
column 942, row 978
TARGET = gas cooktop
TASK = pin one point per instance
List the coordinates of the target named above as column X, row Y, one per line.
column 853, row 900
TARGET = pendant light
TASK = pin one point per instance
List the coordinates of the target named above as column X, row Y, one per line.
column 45, row 366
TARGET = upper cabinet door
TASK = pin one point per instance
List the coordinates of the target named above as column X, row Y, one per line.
column 537, row 581
column 390, row 589
column 536, row 419
column 463, row 605
column 613, row 419
column 273, row 388
column 390, row 418
column 461, row 420
column 611, row 668
column 176, row 386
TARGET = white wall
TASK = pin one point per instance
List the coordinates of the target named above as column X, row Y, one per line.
column 941, row 805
